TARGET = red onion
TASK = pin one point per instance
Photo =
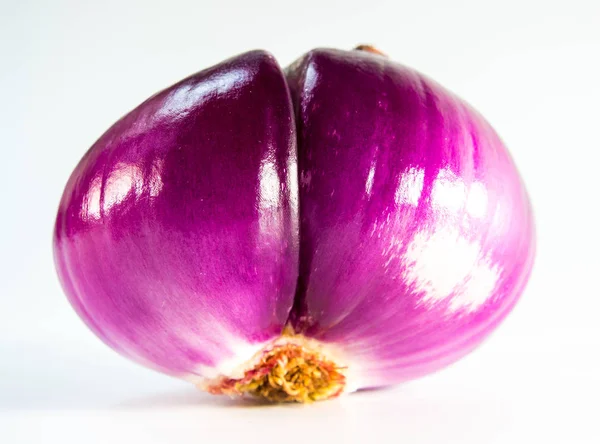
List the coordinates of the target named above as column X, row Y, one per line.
column 346, row 224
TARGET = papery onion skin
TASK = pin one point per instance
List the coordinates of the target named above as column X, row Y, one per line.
column 417, row 235
column 176, row 239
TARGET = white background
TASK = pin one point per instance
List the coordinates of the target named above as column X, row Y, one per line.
column 68, row 69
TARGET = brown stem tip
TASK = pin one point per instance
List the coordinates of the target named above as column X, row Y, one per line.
column 287, row 373
column 371, row 49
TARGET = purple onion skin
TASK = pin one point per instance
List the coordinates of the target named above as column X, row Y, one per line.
column 356, row 201
column 416, row 232
column 176, row 239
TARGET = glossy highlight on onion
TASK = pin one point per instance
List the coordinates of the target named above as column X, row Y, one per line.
column 296, row 234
